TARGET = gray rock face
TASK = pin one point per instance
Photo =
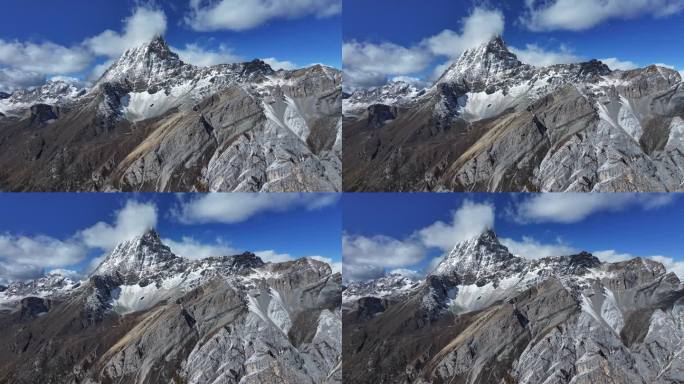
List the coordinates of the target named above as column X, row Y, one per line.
column 492, row 123
column 155, row 123
column 148, row 316
column 567, row 319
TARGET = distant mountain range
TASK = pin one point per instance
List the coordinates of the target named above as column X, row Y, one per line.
column 493, row 123
column 487, row 316
column 146, row 315
column 155, row 123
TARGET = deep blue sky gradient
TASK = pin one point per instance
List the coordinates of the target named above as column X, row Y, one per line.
column 644, row 40
column 303, row 41
column 298, row 232
column 634, row 230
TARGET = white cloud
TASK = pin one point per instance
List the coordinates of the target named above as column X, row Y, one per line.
column 411, row 274
column 577, row 15
column 230, row 208
column 336, row 266
column 133, row 219
column 575, row 207
column 277, row 64
column 271, row 256
column 43, row 58
column 478, row 28
column 671, row 265
column 385, row 58
column 142, row 26
column 416, row 82
column 74, row 275
column 368, row 65
column 353, row 79
column 382, row 250
column 615, row 64
column 24, row 257
column 367, row 257
column 12, row 79
column 470, row 220
column 197, row 55
column 530, row 248
column 539, row 57
column 193, row 249
column 240, row 15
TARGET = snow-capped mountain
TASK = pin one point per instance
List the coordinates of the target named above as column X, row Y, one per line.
column 146, row 315
column 160, row 124
column 391, row 285
column 395, row 93
column 485, row 315
column 493, row 123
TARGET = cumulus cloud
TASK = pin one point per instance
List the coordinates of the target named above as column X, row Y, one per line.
column 133, row 219
column 578, row 15
column 416, row 82
column 142, row 26
column 336, row 266
column 43, row 58
column 575, row 207
column 615, row 64
column 12, row 79
column 271, row 256
column 671, row 265
column 367, row 257
column 196, row 55
column 278, row 64
column 24, row 257
column 369, row 65
column 230, row 208
column 530, row 248
column 240, row 15
column 477, row 28
column 539, row 57
column 384, row 58
column 191, row 248
column 470, row 220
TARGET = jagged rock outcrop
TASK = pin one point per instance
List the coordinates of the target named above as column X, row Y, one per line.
column 155, row 123
column 146, row 315
column 487, row 316
column 493, row 123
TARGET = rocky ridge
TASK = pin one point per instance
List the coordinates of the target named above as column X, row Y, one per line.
column 487, row 316
column 493, row 123
column 146, row 315
column 155, row 123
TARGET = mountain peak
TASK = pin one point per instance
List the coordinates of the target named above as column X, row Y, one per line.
column 480, row 257
column 144, row 65
column 138, row 258
column 488, row 62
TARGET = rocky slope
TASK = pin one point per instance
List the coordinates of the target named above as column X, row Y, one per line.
column 155, row 123
column 146, row 315
column 492, row 123
column 487, row 316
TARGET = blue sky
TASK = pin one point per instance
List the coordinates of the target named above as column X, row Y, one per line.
column 612, row 226
column 288, row 33
column 42, row 232
column 630, row 32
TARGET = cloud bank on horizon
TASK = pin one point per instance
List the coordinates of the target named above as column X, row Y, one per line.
column 26, row 257
column 28, row 63
column 368, row 256
column 371, row 63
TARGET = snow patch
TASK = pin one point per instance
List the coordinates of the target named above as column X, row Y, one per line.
column 676, row 137
column 611, row 313
column 628, row 120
